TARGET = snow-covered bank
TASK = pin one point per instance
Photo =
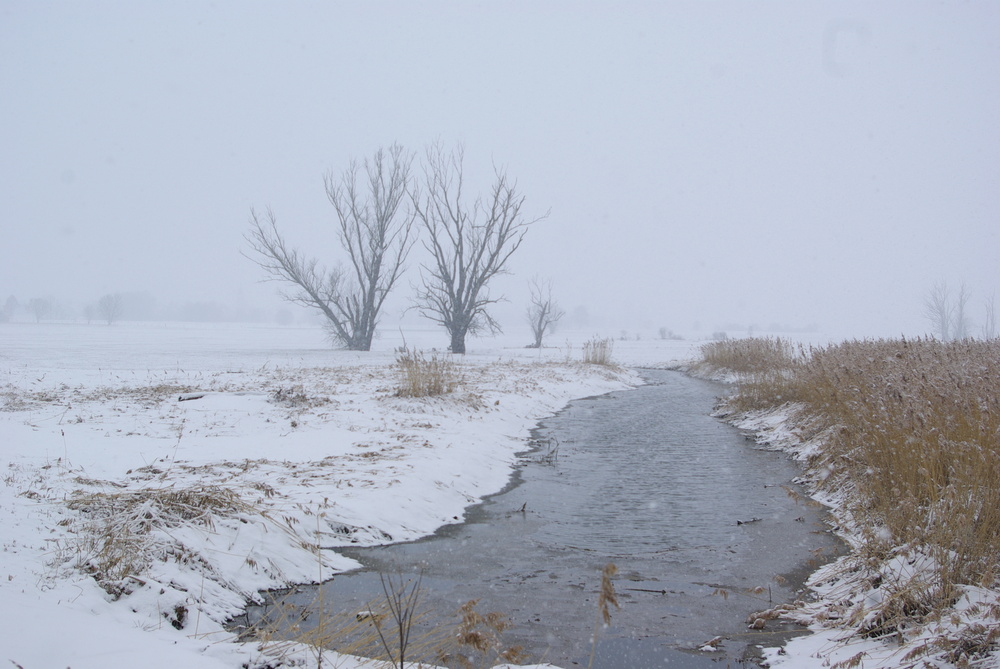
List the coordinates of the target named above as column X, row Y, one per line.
column 854, row 596
column 157, row 477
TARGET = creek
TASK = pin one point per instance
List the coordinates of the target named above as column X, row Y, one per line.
column 703, row 526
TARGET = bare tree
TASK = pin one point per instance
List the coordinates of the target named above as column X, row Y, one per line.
column 469, row 245
column 110, row 307
column 939, row 310
column 948, row 315
column 543, row 313
column 375, row 231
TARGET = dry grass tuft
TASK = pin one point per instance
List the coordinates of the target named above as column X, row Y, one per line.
column 117, row 540
column 423, row 377
column 605, row 600
column 479, row 640
column 295, row 397
column 598, row 351
column 393, row 629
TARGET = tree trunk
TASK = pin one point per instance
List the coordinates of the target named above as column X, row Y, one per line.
column 457, row 341
column 363, row 341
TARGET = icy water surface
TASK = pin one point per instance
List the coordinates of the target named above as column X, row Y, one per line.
column 694, row 516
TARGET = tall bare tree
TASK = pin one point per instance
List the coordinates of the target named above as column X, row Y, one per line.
column 375, row 229
column 543, row 313
column 469, row 244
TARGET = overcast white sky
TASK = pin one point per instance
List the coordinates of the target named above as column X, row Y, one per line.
column 705, row 163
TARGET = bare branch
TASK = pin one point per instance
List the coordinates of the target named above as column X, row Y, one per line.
column 312, row 285
column 375, row 232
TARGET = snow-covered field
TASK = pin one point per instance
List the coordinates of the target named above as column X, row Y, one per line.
column 157, row 476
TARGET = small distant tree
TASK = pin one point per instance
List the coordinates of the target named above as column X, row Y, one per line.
column 948, row 314
column 543, row 313
column 40, row 308
column 110, row 307
column 374, row 229
column 9, row 309
column 960, row 326
column 938, row 309
column 990, row 321
column 469, row 244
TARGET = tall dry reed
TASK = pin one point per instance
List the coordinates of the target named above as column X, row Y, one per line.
column 916, row 432
column 764, row 369
column 912, row 433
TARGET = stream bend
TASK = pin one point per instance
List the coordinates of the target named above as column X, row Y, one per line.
column 703, row 526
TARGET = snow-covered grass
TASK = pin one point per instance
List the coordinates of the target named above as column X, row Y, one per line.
column 902, row 439
column 155, row 478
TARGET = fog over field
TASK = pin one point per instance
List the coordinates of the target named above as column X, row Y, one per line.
column 704, row 166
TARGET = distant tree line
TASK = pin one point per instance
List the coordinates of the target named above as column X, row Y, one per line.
column 949, row 313
column 136, row 306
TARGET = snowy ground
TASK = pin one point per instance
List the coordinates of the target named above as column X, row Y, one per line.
column 185, row 508
column 290, row 446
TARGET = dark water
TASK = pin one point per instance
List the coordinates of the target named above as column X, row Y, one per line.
column 683, row 505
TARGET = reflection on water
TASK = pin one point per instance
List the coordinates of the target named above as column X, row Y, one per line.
column 699, row 522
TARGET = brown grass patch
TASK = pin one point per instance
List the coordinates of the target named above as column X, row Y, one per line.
column 115, row 542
